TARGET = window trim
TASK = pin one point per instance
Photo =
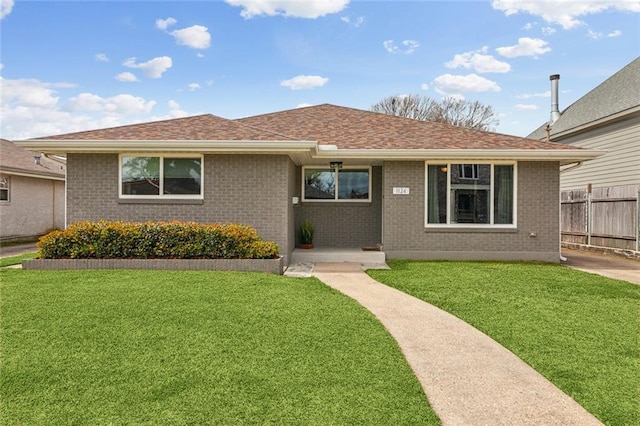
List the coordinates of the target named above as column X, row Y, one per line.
column 7, row 180
column 161, row 158
column 336, row 199
column 491, row 224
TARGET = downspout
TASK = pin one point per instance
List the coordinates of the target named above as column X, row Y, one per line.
column 572, row 167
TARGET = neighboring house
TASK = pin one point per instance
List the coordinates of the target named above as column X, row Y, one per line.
column 31, row 193
column 424, row 190
column 601, row 196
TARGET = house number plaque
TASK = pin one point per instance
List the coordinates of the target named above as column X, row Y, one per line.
column 399, row 190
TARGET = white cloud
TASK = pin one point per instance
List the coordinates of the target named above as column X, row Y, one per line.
column 27, row 93
column 528, row 26
column 126, row 77
column 303, row 105
column 529, row 107
column 175, row 111
column 594, row 35
column 409, row 46
column 546, row 94
column 1, row 67
column 424, row 86
column 304, row 82
column 616, row 33
column 153, row 68
column 310, row 9
column 563, row 12
column 200, row 55
column 547, row 30
column 479, row 62
column 119, row 104
column 6, row 6
column 526, row 47
column 353, row 22
column 193, row 86
column 163, row 24
column 101, row 57
column 32, row 108
column 196, row 37
column 448, row 84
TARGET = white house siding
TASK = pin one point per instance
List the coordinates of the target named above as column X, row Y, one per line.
column 36, row 207
column 620, row 166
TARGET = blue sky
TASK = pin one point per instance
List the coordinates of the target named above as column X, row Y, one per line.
column 78, row 65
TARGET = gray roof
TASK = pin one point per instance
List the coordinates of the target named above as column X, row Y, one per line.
column 15, row 159
column 617, row 94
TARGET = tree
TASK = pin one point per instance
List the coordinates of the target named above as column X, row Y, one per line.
column 457, row 112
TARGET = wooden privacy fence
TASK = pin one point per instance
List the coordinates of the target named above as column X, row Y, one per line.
column 603, row 217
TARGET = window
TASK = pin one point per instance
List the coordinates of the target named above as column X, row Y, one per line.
column 471, row 194
column 161, row 177
column 4, row 188
column 468, row 171
column 348, row 184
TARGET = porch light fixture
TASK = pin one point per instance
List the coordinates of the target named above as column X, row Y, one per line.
column 335, row 164
column 444, row 169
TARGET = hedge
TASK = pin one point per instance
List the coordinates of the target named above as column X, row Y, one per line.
column 155, row 240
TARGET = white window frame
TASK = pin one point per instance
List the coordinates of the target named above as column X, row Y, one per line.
column 6, row 180
column 490, row 225
column 161, row 168
column 336, row 199
column 474, row 171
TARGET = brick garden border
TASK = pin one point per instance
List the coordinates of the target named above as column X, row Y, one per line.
column 272, row 266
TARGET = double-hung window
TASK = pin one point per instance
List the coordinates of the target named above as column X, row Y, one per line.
column 5, row 184
column 160, row 176
column 344, row 184
column 471, row 194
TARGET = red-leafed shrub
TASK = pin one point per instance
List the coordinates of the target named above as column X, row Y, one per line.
column 155, row 240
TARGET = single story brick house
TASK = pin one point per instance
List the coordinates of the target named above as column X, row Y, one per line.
column 423, row 190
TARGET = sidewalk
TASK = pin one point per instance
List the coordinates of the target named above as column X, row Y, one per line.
column 17, row 249
column 468, row 378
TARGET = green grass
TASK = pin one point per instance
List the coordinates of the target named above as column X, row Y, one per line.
column 162, row 347
column 16, row 260
column 579, row 330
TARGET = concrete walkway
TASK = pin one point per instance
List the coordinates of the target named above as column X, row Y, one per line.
column 468, row 378
column 607, row 265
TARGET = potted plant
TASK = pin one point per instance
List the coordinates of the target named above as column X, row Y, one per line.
column 306, row 234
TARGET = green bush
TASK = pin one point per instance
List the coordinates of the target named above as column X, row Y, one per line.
column 155, row 240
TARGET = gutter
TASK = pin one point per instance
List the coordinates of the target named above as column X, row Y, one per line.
column 63, row 146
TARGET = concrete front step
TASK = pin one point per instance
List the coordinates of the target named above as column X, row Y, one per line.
column 333, row 255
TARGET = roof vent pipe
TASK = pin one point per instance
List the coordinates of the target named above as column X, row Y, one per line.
column 555, row 111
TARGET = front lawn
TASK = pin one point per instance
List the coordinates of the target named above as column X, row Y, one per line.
column 579, row 330
column 147, row 347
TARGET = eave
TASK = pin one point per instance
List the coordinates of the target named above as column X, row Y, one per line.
column 304, row 152
column 564, row 156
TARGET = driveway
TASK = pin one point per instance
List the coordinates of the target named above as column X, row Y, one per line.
column 611, row 266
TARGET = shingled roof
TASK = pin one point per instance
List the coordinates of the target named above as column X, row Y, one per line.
column 349, row 128
column 618, row 94
column 311, row 134
column 196, row 128
column 17, row 160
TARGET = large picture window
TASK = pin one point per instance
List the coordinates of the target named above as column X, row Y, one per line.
column 348, row 184
column 161, row 177
column 471, row 194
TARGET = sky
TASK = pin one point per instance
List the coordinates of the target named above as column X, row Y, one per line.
column 68, row 66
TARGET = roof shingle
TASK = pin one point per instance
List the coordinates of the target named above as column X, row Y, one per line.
column 349, row 128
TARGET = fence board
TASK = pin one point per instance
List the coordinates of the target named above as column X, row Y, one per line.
column 608, row 217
